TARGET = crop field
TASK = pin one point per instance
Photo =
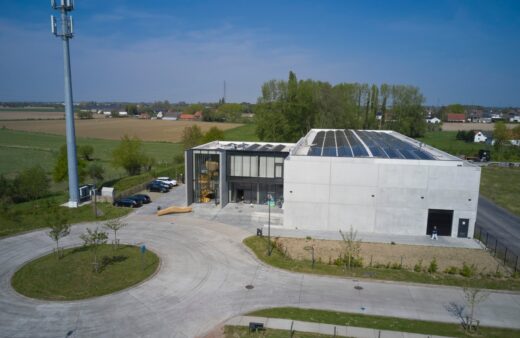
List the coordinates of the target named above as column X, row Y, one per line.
column 6, row 115
column 115, row 128
column 471, row 126
column 19, row 150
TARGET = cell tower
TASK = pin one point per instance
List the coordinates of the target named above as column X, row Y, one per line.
column 66, row 33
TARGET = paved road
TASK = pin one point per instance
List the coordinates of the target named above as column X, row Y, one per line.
column 201, row 283
column 500, row 223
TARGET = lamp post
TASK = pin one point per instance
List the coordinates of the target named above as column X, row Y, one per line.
column 269, row 250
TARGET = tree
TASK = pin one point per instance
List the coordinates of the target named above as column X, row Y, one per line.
column 131, row 109
column 500, row 135
column 473, row 298
column 352, row 246
column 92, row 240
column 213, row 134
column 85, row 152
column 192, row 136
column 84, row 115
column 60, row 171
column 193, row 108
column 115, row 225
column 59, row 229
column 130, row 156
column 95, row 172
column 30, row 184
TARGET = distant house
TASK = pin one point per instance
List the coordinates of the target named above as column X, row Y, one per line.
column 187, row 117
column 198, row 115
column 107, row 113
column 514, row 119
column 456, row 118
column 480, row 137
column 123, row 113
column 159, row 115
column 434, row 120
column 144, row 116
column 171, row 116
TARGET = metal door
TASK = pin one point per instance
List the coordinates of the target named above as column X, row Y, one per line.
column 463, row 227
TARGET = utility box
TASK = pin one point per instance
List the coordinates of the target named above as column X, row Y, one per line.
column 85, row 192
column 107, row 194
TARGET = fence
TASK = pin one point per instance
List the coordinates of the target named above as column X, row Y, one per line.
column 497, row 249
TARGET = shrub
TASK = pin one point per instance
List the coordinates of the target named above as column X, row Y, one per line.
column 396, row 266
column 433, row 266
column 468, row 270
column 452, row 270
column 418, row 266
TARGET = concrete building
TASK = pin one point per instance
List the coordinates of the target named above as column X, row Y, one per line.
column 374, row 181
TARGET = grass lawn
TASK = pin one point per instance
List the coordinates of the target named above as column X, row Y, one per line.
column 245, row 133
column 72, row 277
column 446, row 141
column 381, row 323
column 502, row 186
column 277, row 259
column 240, row 331
column 16, row 218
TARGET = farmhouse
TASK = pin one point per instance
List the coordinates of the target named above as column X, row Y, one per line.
column 374, row 181
column 456, row 118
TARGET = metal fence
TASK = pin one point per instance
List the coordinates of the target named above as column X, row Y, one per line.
column 507, row 256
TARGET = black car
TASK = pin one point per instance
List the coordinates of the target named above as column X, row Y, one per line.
column 144, row 199
column 127, row 202
column 157, row 187
column 164, row 184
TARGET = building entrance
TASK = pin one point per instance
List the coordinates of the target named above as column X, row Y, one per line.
column 442, row 219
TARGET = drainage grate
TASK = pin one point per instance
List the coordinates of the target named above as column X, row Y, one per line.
column 249, row 286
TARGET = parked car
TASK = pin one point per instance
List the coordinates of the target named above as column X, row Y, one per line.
column 164, row 184
column 158, row 187
column 142, row 198
column 127, row 202
column 168, row 180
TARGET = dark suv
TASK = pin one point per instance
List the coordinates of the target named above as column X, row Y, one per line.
column 127, row 202
column 142, row 198
column 158, row 187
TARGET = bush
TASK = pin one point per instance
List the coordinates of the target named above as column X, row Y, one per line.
column 418, row 266
column 433, row 266
column 396, row 266
column 29, row 184
column 452, row 270
column 468, row 270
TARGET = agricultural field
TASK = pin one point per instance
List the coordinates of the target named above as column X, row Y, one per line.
column 7, row 115
column 502, row 186
column 115, row 128
column 471, row 126
column 19, row 150
column 447, row 141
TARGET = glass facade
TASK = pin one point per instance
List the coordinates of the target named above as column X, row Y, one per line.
column 206, row 166
column 255, row 166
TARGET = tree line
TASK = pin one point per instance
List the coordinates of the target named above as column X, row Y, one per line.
column 287, row 110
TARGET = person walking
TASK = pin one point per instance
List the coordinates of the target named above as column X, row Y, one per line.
column 434, row 233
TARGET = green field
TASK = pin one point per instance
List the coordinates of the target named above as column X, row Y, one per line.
column 246, row 133
column 446, row 141
column 502, row 186
column 72, row 277
column 381, row 322
column 20, row 150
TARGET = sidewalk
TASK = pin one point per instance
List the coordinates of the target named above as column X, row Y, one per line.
column 326, row 329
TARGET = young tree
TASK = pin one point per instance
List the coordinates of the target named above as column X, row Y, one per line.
column 473, row 298
column 192, row 136
column 30, row 184
column 352, row 246
column 85, row 152
column 59, row 229
column 60, row 171
column 93, row 239
column 130, row 156
column 500, row 135
column 213, row 134
column 115, row 225
column 95, row 172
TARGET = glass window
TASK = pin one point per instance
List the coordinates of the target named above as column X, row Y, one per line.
column 278, row 159
column 238, row 166
column 246, row 166
column 254, row 166
column 270, row 167
column 263, row 169
column 278, row 172
column 232, row 166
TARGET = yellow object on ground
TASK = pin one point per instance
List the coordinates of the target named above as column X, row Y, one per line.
column 173, row 210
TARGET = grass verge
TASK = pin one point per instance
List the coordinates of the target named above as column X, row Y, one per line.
column 245, row 133
column 72, row 278
column 240, row 331
column 381, row 322
column 259, row 245
column 502, row 186
column 16, row 218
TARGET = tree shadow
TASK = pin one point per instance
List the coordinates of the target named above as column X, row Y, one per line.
column 457, row 311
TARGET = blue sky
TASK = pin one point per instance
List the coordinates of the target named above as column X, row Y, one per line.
column 455, row 51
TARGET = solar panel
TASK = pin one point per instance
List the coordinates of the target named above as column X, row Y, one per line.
column 278, row 147
column 344, row 152
column 253, row 146
column 265, row 147
column 357, row 148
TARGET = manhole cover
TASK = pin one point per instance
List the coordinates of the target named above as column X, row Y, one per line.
column 249, row 286
column 357, row 287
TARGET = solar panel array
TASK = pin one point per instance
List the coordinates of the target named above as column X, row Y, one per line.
column 347, row 143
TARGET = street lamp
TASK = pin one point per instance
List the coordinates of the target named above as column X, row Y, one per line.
column 269, row 197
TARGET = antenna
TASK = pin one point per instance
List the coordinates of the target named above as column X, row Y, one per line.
column 66, row 32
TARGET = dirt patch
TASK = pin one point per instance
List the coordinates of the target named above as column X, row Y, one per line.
column 383, row 254
column 114, row 129
column 471, row 126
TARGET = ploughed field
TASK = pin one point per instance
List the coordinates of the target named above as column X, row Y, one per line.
column 115, row 128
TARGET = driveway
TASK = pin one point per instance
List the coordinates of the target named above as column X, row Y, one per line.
column 201, row 283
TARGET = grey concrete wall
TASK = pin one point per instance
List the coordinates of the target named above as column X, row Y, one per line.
column 377, row 195
column 224, row 195
column 188, row 174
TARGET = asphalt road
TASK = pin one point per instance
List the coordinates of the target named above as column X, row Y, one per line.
column 201, row 283
column 500, row 223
